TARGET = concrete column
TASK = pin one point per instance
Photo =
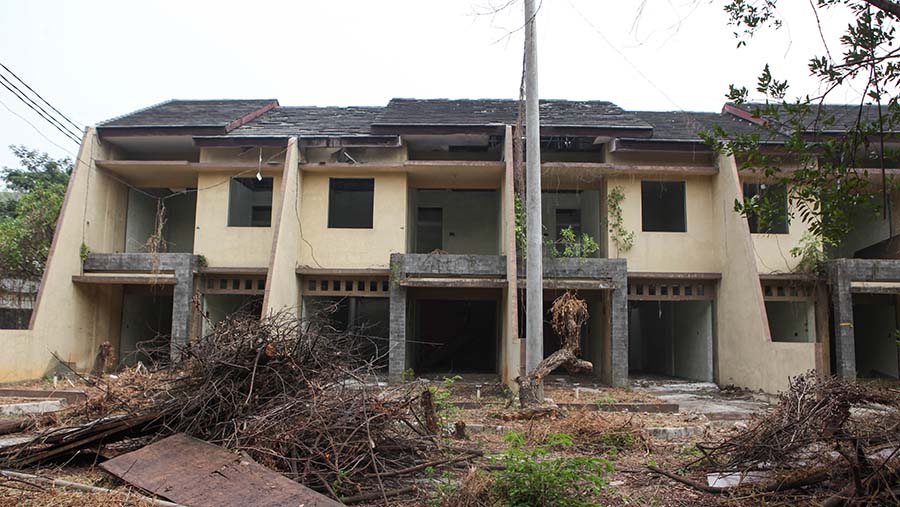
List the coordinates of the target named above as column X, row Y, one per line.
column 182, row 303
column 842, row 306
column 397, row 310
column 618, row 372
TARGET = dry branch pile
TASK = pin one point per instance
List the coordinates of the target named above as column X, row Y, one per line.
column 828, row 440
column 295, row 395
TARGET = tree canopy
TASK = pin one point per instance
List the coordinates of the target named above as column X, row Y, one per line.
column 835, row 156
column 28, row 219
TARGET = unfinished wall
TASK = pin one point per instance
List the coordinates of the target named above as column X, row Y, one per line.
column 698, row 248
column 178, row 229
column 586, row 201
column 282, row 286
column 225, row 246
column 469, row 219
column 70, row 320
column 692, row 336
column 352, row 248
column 747, row 357
column 773, row 251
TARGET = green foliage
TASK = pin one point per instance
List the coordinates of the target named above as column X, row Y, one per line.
column 28, row 224
column 604, row 400
column 84, row 252
column 811, row 253
column 532, row 479
column 201, row 261
column 571, row 246
column 618, row 233
column 408, row 375
column 824, row 185
column 521, row 235
column 36, row 170
column 443, row 407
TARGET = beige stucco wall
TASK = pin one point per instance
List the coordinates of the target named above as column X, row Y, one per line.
column 694, row 250
column 282, row 289
column 773, row 251
column 71, row 320
column 747, row 357
column 321, row 247
column 225, row 246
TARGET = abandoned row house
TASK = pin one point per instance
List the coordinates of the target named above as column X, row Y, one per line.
column 402, row 219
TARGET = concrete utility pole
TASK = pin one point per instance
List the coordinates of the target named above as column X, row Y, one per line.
column 534, row 297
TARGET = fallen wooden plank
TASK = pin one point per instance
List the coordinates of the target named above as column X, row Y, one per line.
column 71, row 396
column 196, row 473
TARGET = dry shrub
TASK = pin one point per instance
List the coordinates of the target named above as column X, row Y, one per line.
column 474, row 490
column 597, row 433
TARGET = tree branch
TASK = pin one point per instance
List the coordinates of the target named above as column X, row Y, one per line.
column 892, row 8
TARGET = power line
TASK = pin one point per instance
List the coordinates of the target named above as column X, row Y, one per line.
column 36, row 129
column 38, row 95
column 17, row 93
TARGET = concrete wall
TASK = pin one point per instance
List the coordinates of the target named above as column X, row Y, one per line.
column 70, row 320
column 282, row 286
column 178, row 229
column 225, row 246
column 692, row 337
column 694, row 250
column 773, row 251
column 470, row 219
column 747, row 357
column 588, row 201
column 352, row 248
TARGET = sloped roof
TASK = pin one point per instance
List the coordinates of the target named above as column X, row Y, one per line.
column 486, row 112
column 827, row 118
column 686, row 126
column 190, row 113
column 309, row 122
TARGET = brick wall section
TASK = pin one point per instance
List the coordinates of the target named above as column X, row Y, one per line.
column 183, row 265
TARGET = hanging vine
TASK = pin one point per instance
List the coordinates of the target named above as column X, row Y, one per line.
column 618, row 233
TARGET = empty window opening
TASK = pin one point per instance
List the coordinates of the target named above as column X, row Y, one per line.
column 772, row 200
column 663, row 206
column 564, row 209
column 250, row 202
column 791, row 321
column 350, row 203
column 455, row 221
column 365, row 318
column 874, row 331
column 141, row 220
column 429, row 230
column 671, row 338
column 455, row 336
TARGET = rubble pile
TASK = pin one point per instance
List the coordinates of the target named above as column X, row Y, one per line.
column 828, row 440
column 294, row 395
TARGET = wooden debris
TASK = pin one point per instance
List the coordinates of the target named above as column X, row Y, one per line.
column 192, row 472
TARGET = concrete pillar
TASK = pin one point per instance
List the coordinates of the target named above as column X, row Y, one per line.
column 618, row 371
column 842, row 306
column 397, row 310
column 182, row 305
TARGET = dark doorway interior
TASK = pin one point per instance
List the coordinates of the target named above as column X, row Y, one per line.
column 455, row 337
column 146, row 324
column 670, row 338
column 366, row 317
column 874, row 329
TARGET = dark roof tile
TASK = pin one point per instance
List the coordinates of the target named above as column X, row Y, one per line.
column 310, row 122
column 189, row 113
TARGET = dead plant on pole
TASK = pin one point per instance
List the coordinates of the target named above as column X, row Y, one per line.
column 568, row 314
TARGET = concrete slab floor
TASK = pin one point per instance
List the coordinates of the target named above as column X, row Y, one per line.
column 701, row 397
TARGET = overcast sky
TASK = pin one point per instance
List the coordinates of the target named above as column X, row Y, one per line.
column 97, row 59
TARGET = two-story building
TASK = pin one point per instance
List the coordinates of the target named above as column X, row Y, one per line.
column 403, row 219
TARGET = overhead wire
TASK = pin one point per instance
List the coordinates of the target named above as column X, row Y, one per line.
column 38, row 95
column 17, row 93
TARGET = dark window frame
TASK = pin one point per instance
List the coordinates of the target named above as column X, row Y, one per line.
column 365, row 187
column 266, row 184
column 754, row 188
column 665, row 222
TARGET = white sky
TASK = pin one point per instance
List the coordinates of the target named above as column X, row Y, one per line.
column 97, row 59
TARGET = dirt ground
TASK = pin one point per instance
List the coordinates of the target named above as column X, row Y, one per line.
column 629, row 440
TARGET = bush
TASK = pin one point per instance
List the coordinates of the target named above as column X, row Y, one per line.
column 531, row 479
